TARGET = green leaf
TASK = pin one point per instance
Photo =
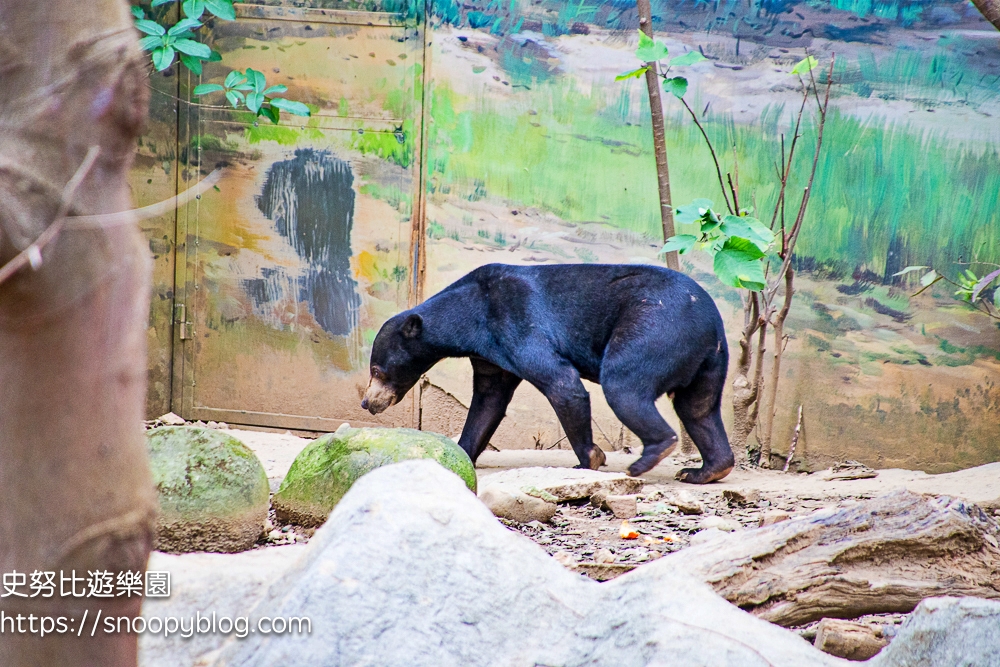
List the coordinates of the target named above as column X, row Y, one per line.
column 677, row 86
column 909, row 269
column 235, row 77
column 215, row 57
column 929, row 278
column 650, row 51
column 193, row 48
column 273, row 90
column 271, row 113
column 222, row 8
column 150, row 27
column 150, row 42
column 748, row 228
column 807, row 64
column 163, row 56
column 984, row 283
column 234, row 98
column 689, row 58
column 256, row 79
column 138, row 13
column 681, row 243
column 254, row 101
column 157, row 3
column 996, row 299
column 183, row 26
column 738, row 264
column 634, row 74
column 291, row 107
column 206, row 88
column 692, row 212
column 192, row 63
column 193, row 9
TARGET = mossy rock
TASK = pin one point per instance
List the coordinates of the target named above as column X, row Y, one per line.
column 212, row 489
column 323, row 472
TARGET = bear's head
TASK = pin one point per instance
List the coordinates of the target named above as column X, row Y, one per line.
column 399, row 358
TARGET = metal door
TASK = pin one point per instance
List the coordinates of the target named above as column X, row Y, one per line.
column 304, row 248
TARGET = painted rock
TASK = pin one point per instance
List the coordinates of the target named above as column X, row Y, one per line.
column 212, row 489
column 323, row 472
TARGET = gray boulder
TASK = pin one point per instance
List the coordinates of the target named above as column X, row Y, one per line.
column 212, row 490
column 946, row 632
column 410, row 569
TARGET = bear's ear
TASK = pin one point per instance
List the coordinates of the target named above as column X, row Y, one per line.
column 413, row 326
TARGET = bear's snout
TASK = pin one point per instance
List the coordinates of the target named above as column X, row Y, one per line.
column 378, row 397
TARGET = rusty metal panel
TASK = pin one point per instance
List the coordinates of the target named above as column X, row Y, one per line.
column 304, row 249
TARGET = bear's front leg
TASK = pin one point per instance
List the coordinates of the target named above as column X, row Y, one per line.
column 492, row 389
column 570, row 400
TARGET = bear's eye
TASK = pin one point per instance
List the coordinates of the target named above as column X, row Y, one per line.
column 378, row 374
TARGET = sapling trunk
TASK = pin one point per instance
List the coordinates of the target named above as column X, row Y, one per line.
column 659, row 136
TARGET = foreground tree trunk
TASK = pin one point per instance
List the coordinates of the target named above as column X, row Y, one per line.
column 880, row 555
column 75, row 492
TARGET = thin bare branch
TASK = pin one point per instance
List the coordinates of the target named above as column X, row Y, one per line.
column 32, row 255
column 718, row 171
column 146, row 212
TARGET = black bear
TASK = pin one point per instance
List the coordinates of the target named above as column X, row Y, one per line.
column 639, row 331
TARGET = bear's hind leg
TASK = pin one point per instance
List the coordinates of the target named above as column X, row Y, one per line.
column 698, row 407
column 638, row 412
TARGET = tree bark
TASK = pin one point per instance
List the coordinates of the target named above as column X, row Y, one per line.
column 659, row 136
column 876, row 556
column 75, row 489
column 990, row 9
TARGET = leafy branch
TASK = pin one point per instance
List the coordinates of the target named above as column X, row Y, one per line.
column 971, row 287
column 242, row 89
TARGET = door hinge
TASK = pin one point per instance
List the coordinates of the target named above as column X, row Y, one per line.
column 180, row 319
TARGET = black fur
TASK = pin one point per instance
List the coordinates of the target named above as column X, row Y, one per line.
column 640, row 331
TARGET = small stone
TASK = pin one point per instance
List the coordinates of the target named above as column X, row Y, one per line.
column 604, row 556
column 170, row 419
column 741, row 496
column 722, row 523
column 685, row 503
column 623, row 507
column 565, row 559
column 772, row 517
column 848, row 639
column 268, row 527
column 212, row 425
column 223, row 426
column 849, row 470
column 275, row 535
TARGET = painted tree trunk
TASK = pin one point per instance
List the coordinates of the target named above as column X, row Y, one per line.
column 990, row 9
column 76, row 496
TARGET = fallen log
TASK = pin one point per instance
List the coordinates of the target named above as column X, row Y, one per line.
column 875, row 556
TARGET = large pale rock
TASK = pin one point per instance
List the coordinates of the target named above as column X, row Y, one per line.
column 223, row 585
column 323, row 472
column 411, row 570
column 212, row 490
column 531, row 494
column 945, row 632
column 880, row 555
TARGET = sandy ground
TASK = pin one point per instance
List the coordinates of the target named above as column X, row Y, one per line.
column 979, row 485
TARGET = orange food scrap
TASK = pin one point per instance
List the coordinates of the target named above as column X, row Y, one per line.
column 627, row 532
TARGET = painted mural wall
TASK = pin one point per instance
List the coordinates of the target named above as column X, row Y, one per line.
column 504, row 137
column 537, row 155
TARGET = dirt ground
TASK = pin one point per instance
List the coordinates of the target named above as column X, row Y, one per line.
column 589, row 540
